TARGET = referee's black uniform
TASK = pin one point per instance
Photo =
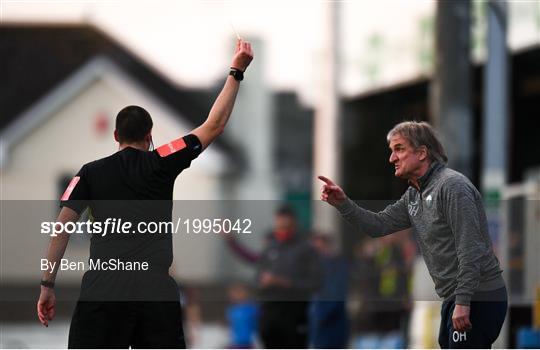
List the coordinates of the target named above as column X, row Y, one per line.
column 138, row 309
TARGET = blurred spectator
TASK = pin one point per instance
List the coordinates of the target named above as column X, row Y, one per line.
column 328, row 321
column 242, row 317
column 288, row 272
column 382, row 272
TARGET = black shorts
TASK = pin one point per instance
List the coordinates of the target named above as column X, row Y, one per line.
column 284, row 324
column 134, row 324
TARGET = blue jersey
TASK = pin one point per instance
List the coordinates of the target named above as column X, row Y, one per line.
column 243, row 323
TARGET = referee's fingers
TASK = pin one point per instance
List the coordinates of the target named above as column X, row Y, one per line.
column 51, row 312
column 42, row 317
column 40, row 310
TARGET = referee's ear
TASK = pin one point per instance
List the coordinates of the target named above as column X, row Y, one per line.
column 116, row 136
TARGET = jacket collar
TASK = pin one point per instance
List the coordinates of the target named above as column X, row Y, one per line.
column 424, row 180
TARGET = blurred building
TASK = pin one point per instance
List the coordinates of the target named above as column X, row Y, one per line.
column 62, row 87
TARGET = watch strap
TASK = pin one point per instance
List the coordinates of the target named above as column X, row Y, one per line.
column 47, row 284
column 237, row 74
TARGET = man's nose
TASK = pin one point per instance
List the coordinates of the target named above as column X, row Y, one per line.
column 393, row 158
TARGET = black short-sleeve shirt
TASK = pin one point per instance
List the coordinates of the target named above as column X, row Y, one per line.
column 135, row 186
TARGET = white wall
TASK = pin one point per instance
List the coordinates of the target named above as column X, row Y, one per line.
column 62, row 144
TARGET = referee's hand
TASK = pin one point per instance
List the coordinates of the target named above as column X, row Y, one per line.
column 46, row 305
column 331, row 193
column 243, row 54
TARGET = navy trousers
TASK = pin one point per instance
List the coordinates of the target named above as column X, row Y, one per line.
column 488, row 310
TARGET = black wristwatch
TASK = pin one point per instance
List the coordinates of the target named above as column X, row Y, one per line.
column 47, row 284
column 237, row 74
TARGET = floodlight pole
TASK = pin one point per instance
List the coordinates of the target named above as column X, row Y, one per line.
column 326, row 140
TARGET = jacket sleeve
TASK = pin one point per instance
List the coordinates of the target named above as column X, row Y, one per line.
column 392, row 219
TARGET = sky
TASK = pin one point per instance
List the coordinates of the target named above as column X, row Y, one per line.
column 191, row 42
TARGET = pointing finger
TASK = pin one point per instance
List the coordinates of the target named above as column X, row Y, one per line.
column 327, row 180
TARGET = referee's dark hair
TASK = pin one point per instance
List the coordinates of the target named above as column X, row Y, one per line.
column 133, row 123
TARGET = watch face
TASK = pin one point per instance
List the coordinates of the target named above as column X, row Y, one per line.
column 238, row 75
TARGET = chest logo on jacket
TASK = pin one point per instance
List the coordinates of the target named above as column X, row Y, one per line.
column 429, row 201
column 413, row 208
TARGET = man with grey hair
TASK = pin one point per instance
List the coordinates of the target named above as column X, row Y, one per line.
column 447, row 215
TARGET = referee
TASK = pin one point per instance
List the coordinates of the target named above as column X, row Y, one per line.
column 135, row 308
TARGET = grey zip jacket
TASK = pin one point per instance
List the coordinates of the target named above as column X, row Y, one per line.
column 448, row 219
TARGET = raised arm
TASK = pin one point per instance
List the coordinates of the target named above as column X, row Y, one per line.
column 241, row 251
column 223, row 106
column 55, row 252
